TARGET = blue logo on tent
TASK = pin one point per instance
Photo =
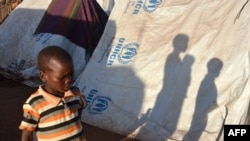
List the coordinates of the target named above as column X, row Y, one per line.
column 151, row 5
column 16, row 65
column 123, row 53
column 98, row 105
column 43, row 37
column 127, row 53
column 148, row 6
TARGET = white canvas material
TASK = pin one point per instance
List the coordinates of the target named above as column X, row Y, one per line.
column 19, row 46
column 170, row 70
column 163, row 70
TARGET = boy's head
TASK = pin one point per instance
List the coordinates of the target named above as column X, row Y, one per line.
column 56, row 70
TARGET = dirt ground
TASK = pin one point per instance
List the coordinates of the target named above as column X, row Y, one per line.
column 13, row 95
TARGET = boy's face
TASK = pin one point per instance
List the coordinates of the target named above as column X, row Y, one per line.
column 59, row 78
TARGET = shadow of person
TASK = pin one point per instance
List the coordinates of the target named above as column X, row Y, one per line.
column 179, row 94
column 205, row 101
column 113, row 91
column 167, row 108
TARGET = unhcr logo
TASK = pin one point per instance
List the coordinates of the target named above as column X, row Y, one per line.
column 115, row 52
column 151, row 5
column 97, row 104
column 127, row 53
column 148, row 6
column 123, row 53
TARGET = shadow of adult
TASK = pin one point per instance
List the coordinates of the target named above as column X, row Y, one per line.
column 205, row 101
column 168, row 105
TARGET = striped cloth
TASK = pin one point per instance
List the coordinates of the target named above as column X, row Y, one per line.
column 81, row 21
column 53, row 118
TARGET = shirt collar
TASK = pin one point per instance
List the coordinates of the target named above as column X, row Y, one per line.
column 53, row 100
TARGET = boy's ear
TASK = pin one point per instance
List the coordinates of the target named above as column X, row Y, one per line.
column 42, row 75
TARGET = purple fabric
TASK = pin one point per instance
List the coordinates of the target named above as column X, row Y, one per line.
column 81, row 21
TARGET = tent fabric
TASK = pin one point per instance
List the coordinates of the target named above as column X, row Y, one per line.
column 107, row 5
column 81, row 21
column 170, row 70
column 19, row 46
column 163, row 70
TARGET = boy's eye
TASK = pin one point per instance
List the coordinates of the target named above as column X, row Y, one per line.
column 67, row 77
column 61, row 78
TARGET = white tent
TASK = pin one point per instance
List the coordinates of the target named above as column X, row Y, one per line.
column 170, row 70
column 163, row 70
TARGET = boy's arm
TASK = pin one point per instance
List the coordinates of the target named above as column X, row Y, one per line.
column 84, row 101
column 27, row 135
column 77, row 91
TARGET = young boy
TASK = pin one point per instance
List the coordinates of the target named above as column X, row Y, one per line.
column 53, row 112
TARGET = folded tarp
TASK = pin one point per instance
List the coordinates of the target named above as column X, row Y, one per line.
column 81, row 21
column 19, row 46
column 170, row 70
